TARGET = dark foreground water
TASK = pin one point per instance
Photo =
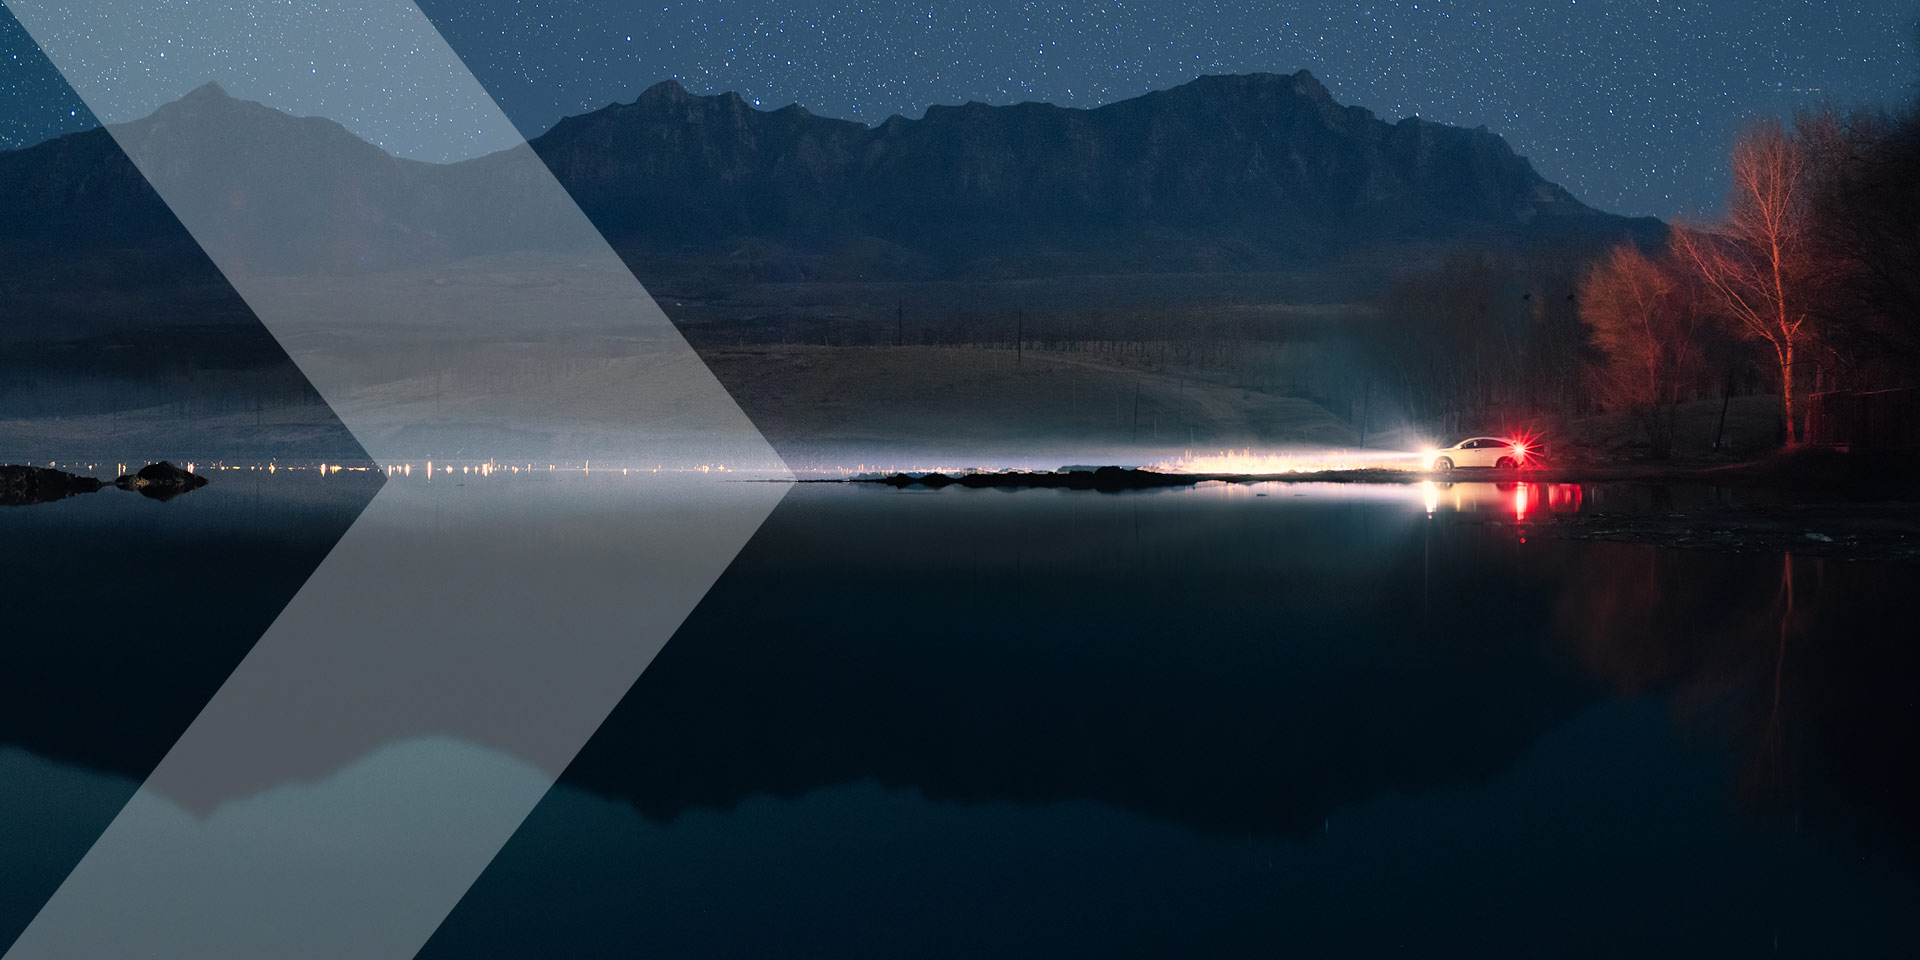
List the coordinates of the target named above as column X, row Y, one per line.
column 1226, row 721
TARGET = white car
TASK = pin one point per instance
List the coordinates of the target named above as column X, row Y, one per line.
column 1502, row 452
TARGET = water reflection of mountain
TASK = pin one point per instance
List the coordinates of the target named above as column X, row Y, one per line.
column 1166, row 657
column 1250, row 671
column 128, row 619
column 1227, row 662
column 123, row 618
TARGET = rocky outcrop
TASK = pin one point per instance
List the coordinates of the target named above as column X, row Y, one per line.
column 160, row 481
column 21, row 485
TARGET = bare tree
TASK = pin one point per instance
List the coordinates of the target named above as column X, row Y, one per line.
column 1641, row 320
column 1757, row 267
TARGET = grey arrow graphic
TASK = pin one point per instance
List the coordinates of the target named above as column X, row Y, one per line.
column 466, row 636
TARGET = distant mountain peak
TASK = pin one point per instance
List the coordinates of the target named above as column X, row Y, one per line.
column 1308, row 85
column 668, row 90
column 211, row 90
column 211, row 100
column 210, row 118
column 1300, row 83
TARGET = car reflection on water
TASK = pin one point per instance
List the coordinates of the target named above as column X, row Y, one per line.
column 1522, row 500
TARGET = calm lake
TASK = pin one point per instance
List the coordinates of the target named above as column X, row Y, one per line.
column 1220, row 721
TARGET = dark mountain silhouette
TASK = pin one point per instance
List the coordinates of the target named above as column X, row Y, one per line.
column 1234, row 172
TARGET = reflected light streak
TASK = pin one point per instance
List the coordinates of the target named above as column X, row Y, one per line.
column 1249, row 463
column 1520, row 501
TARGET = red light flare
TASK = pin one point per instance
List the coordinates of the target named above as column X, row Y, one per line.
column 1524, row 442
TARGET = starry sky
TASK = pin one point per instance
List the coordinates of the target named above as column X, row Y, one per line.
column 1628, row 103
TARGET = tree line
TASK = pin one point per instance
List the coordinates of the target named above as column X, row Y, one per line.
column 1808, row 282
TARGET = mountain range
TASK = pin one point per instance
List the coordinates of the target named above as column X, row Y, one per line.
column 1226, row 173
column 1244, row 171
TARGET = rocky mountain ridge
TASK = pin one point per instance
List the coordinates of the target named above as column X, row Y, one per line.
column 1222, row 173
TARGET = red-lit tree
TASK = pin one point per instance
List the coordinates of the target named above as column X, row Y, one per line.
column 1641, row 319
column 1757, row 268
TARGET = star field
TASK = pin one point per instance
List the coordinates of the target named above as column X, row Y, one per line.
column 1628, row 103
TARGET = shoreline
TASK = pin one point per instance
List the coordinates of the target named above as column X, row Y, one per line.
column 1850, row 476
column 1842, row 508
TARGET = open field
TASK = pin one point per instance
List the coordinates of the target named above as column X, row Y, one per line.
column 842, row 406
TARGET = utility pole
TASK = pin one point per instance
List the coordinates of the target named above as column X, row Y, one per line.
column 1019, row 334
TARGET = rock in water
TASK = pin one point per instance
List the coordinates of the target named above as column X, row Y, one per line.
column 21, row 485
column 160, row 481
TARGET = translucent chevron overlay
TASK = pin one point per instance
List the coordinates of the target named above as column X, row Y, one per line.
column 478, row 621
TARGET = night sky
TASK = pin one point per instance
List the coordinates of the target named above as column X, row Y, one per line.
column 1628, row 103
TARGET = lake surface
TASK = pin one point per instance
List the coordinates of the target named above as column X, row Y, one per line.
column 1221, row 721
